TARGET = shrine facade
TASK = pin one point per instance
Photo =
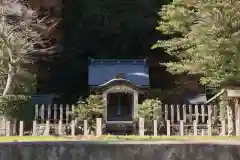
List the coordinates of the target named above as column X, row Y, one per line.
column 122, row 83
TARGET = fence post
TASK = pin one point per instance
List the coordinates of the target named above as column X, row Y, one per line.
column 178, row 113
column 8, row 128
column 184, row 113
column 166, row 112
column 21, row 128
column 229, row 115
column 36, row 112
column 237, row 110
column 14, row 127
column 237, row 127
column 141, row 126
column 73, row 128
column 85, row 128
column 223, row 128
column 42, row 114
column 172, row 114
column 210, row 109
column 155, row 127
column 195, row 128
column 34, row 132
column 196, row 113
column 98, row 126
column 55, row 113
column 61, row 112
column 67, row 114
column 190, row 110
column 49, row 112
column 72, row 112
column 203, row 113
column 209, row 123
column 47, row 128
column 181, row 128
column 60, row 127
column 168, row 128
column 203, row 132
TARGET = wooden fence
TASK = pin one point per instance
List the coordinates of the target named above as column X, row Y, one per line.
column 176, row 120
column 174, row 113
column 53, row 113
column 183, row 129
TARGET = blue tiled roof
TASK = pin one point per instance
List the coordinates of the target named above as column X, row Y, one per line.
column 42, row 99
column 102, row 71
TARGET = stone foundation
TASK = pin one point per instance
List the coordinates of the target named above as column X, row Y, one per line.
column 120, row 151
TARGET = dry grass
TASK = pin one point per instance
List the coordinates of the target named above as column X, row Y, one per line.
column 114, row 138
column 32, row 139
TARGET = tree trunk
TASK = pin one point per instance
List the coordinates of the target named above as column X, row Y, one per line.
column 9, row 80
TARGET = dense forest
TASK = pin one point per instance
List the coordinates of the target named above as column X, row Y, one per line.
column 102, row 29
column 191, row 57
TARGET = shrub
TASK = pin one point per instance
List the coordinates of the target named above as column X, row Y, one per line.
column 18, row 107
column 92, row 108
column 150, row 109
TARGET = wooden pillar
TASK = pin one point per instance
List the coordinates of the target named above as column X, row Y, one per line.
column 36, row 112
column 49, row 113
column 55, row 114
column 42, row 114
column 61, row 112
column 67, row 114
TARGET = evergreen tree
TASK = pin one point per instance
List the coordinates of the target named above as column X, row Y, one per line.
column 205, row 36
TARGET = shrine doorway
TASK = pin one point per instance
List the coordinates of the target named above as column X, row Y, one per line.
column 120, row 106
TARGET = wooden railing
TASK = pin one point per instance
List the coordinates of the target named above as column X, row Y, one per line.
column 174, row 113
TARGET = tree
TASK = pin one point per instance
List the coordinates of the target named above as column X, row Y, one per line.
column 205, row 37
column 90, row 110
column 150, row 110
column 18, row 40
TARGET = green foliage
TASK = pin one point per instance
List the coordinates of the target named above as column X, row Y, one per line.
column 150, row 109
column 205, row 38
column 90, row 110
column 17, row 106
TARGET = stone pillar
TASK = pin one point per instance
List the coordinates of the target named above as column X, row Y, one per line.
column 237, row 116
column 135, row 101
column 105, row 105
column 98, row 126
column 21, row 128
